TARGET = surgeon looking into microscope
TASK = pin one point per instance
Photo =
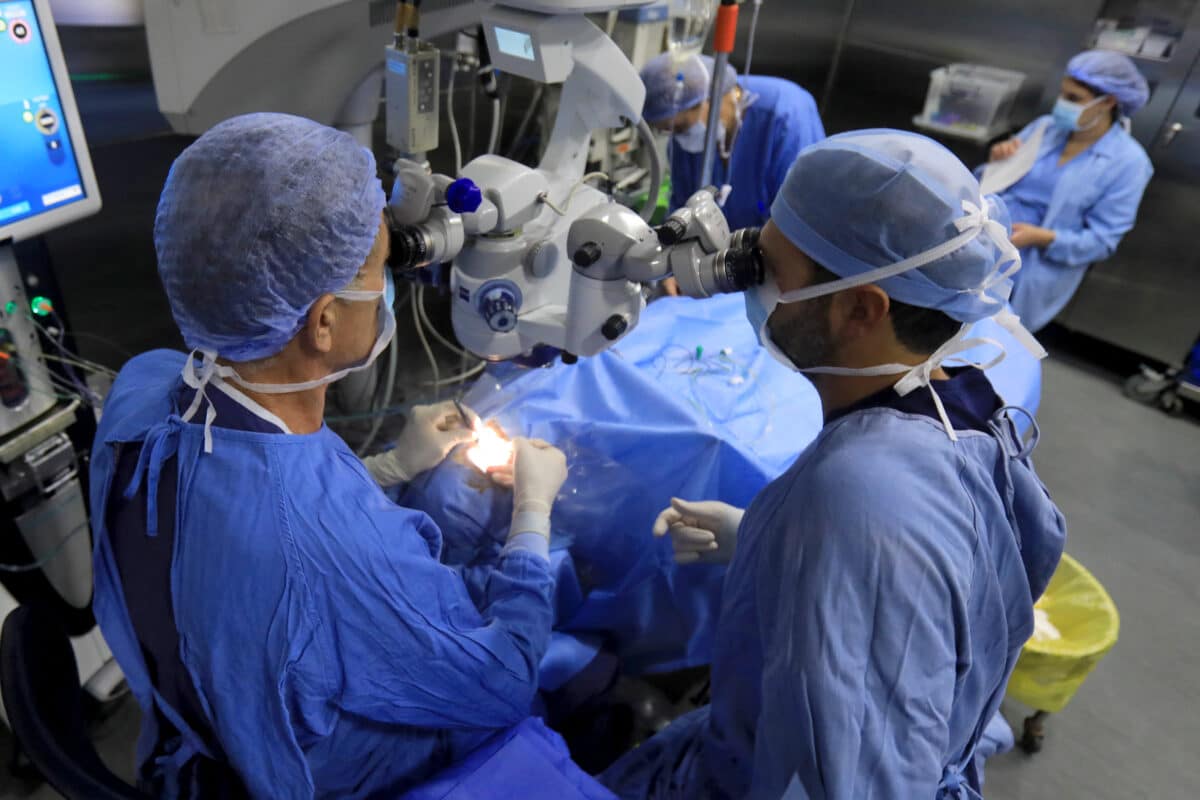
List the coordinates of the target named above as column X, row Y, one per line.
column 287, row 629
column 879, row 591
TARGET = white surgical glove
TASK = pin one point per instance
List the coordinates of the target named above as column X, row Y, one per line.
column 539, row 471
column 431, row 433
column 704, row 531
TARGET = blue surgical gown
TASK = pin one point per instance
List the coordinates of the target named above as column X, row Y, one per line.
column 331, row 652
column 1090, row 203
column 881, row 592
column 782, row 121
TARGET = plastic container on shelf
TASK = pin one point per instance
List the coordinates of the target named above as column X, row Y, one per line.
column 970, row 101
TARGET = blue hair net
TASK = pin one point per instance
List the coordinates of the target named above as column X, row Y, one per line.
column 261, row 216
column 673, row 85
column 1113, row 74
column 863, row 200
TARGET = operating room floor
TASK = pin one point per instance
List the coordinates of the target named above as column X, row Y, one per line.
column 1128, row 480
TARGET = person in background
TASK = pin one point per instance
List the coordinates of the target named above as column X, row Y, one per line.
column 1081, row 195
column 880, row 591
column 765, row 123
column 288, row 630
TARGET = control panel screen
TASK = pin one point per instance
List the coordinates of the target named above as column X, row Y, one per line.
column 515, row 43
column 38, row 169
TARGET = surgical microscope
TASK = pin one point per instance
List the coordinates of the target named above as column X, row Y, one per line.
column 540, row 258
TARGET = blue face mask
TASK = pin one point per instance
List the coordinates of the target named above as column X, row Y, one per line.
column 1066, row 114
column 761, row 301
column 692, row 140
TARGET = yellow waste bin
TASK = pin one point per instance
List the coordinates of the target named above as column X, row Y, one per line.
column 1076, row 624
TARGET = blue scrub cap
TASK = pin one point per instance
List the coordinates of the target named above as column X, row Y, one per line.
column 259, row 217
column 673, row 85
column 1113, row 74
column 864, row 200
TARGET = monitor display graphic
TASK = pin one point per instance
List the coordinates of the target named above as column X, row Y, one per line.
column 39, row 171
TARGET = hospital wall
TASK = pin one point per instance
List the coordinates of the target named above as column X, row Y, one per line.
column 1144, row 299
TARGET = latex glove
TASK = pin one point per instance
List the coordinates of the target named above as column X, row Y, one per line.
column 431, row 433
column 539, row 471
column 704, row 531
column 1005, row 149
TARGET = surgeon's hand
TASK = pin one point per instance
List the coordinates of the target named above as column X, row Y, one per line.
column 1025, row 235
column 539, row 471
column 431, row 433
column 703, row 532
column 1005, row 149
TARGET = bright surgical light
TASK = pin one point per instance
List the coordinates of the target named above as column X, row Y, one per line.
column 492, row 449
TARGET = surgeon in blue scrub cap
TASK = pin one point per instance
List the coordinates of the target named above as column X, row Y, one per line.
column 1075, row 188
column 764, row 123
column 879, row 592
column 287, row 630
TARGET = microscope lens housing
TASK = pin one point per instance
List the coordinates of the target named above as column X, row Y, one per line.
column 737, row 269
column 411, row 248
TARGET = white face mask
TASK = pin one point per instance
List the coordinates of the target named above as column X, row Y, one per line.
column 386, row 330
column 974, row 224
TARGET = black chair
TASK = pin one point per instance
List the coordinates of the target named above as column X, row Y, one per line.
column 42, row 696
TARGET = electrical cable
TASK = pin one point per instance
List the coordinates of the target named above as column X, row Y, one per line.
column 454, row 137
column 494, row 137
column 423, row 314
column 562, row 212
column 90, row 367
column 382, row 396
column 526, row 120
column 835, row 63
column 656, row 170
column 753, row 34
column 46, row 559
column 97, row 338
column 390, row 411
column 79, row 386
column 460, row 377
column 417, row 296
column 55, row 387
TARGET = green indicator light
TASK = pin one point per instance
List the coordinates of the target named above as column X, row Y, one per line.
column 10, row 307
column 41, row 306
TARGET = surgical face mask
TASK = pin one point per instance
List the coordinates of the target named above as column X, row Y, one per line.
column 692, row 140
column 1066, row 114
column 761, row 302
column 385, row 322
column 806, row 337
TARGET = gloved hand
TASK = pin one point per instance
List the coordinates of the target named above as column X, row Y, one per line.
column 704, row 531
column 431, row 433
column 539, row 471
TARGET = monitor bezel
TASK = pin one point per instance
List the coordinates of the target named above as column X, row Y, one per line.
column 91, row 203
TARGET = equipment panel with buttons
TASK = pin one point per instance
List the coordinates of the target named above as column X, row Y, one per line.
column 413, row 81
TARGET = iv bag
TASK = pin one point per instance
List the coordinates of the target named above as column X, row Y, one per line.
column 690, row 23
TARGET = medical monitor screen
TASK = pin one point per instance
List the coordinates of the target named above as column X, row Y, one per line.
column 515, row 44
column 38, row 167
